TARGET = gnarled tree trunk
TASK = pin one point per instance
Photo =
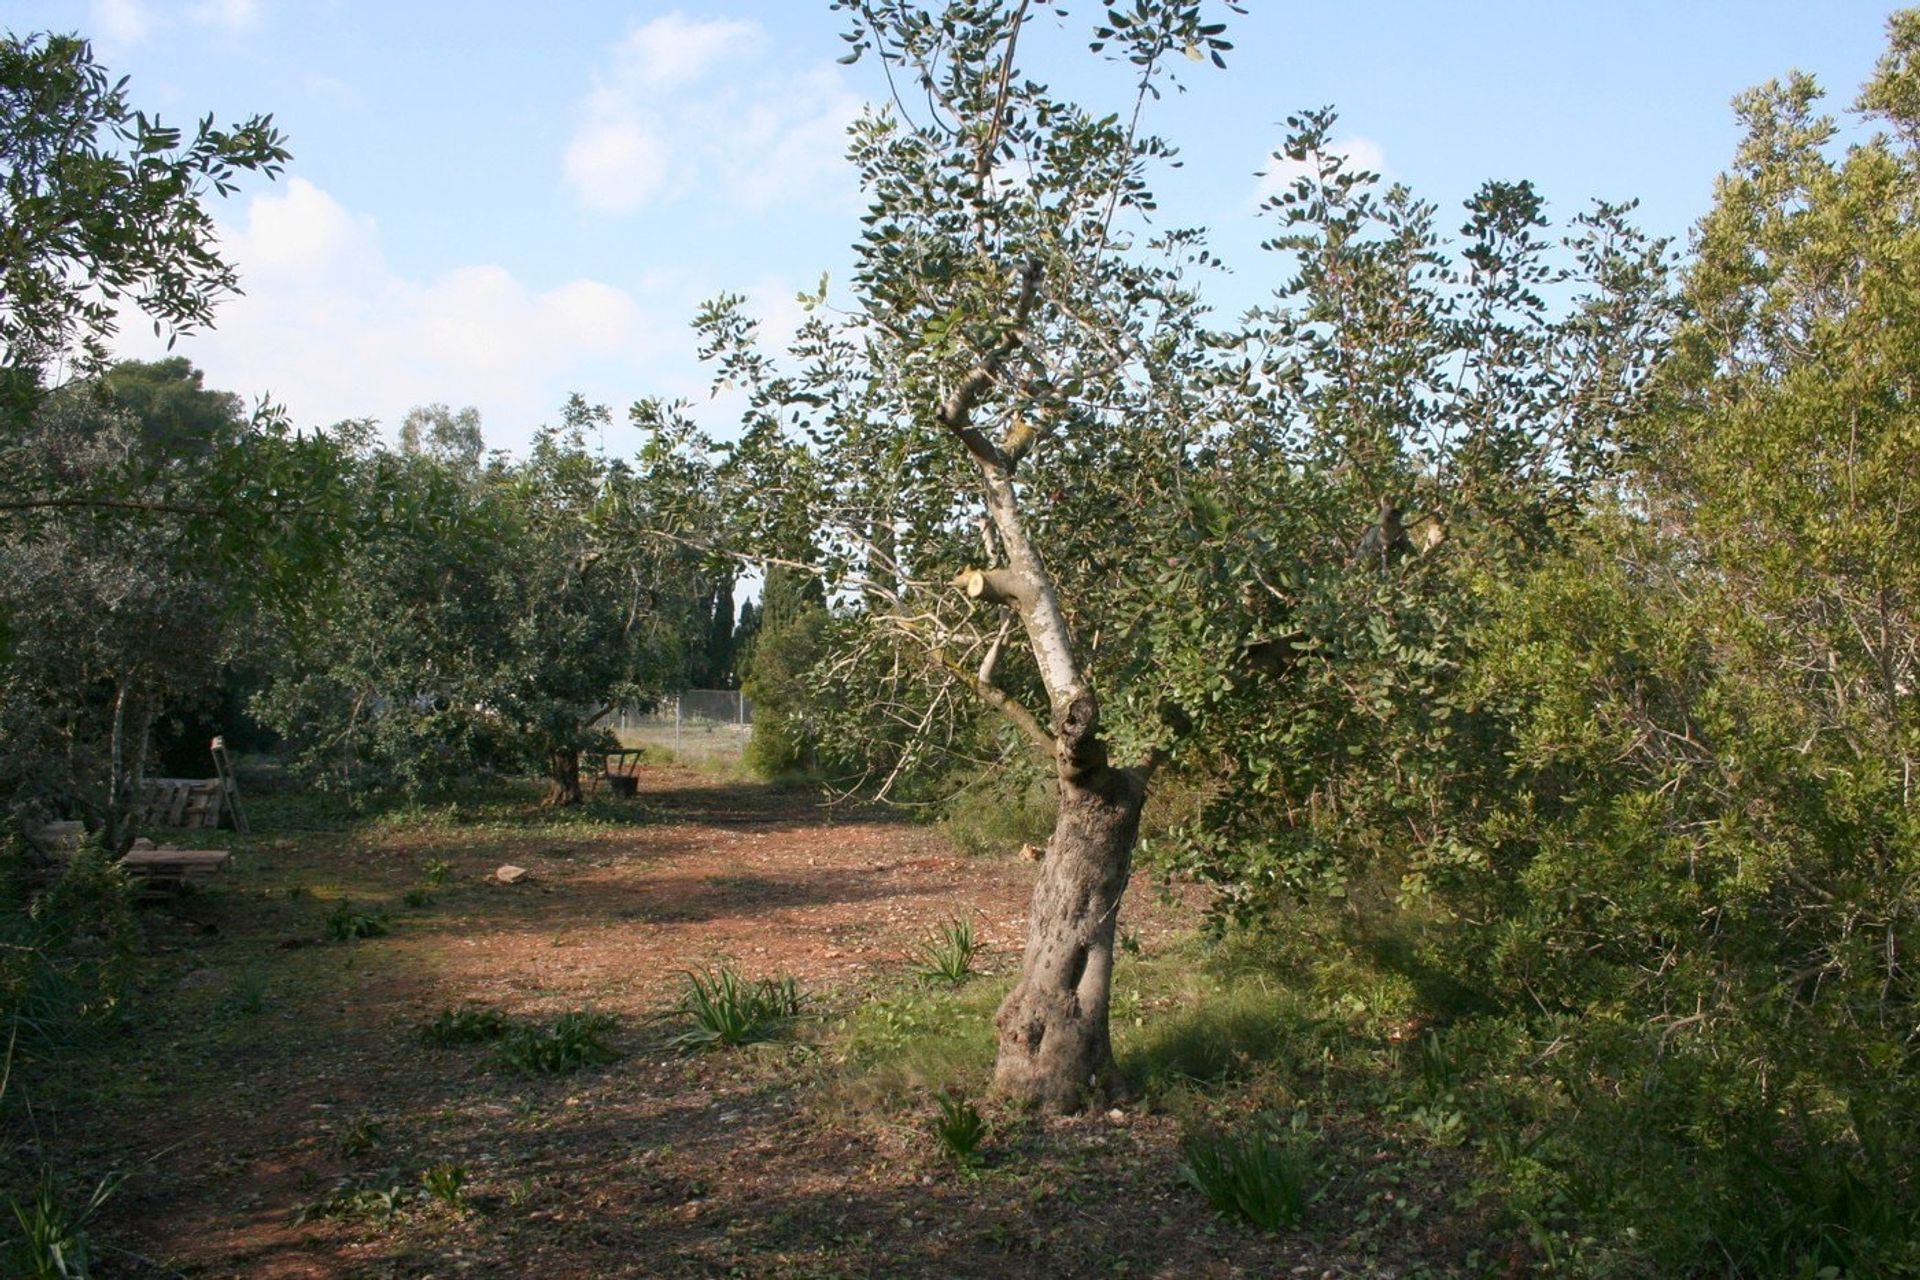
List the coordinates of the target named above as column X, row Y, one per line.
column 1055, row 1051
column 563, row 777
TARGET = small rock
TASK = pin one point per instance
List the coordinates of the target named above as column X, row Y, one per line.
column 1117, row 1116
column 510, row 874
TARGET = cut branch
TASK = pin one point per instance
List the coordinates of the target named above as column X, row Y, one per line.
column 993, row 586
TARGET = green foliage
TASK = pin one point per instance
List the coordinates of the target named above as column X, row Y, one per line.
column 67, row 948
column 49, row 1239
column 116, row 204
column 725, row 1010
column 345, row 923
column 438, row 872
column 444, row 1182
column 997, row 810
column 959, row 1128
column 575, row 1041
column 1262, row 1174
column 416, row 899
column 379, row 1197
column 947, row 957
column 488, row 614
column 467, row 1024
column 362, row 1134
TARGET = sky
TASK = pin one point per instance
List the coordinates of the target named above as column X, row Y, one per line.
column 496, row 203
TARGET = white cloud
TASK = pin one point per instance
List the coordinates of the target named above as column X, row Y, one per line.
column 1281, row 173
column 616, row 165
column 663, row 121
column 235, row 15
column 329, row 327
column 674, row 51
column 128, row 22
column 121, row 22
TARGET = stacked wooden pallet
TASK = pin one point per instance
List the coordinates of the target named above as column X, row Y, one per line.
column 193, row 803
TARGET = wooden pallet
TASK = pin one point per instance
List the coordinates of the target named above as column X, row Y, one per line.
column 175, row 866
column 193, row 803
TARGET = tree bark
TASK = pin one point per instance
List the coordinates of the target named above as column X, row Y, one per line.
column 1055, row 1050
column 563, row 777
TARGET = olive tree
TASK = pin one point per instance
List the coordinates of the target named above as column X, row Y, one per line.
column 1024, row 346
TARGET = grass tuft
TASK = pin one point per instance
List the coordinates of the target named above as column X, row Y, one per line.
column 467, row 1024
column 960, row 1129
column 1257, row 1175
column 948, row 955
column 725, row 1010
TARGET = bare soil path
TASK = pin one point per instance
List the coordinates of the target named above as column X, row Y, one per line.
column 267, row 1071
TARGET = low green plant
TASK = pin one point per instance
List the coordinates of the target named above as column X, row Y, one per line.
column 466, row 1024
column 52, row 1241
column 575, row 1040
column 438, row 871
column 1259, row 1175
column 726, row 1010
column 345, row 922
column 362, row 1134
column 959, row 1128
column 948, row 955
column 416, row 899
column 444, row 1182
column 246, row 998
column 379, row 1197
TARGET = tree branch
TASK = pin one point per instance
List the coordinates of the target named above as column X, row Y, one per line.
column 956, row 412
column 997, row 698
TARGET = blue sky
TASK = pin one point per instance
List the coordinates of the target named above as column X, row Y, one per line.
column 497, row 203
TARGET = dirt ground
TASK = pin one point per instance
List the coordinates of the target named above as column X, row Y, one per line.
column 266, row 1069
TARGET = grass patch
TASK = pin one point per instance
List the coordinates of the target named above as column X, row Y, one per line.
column 347, row 922
column 574, row 1041
column 467, row 1024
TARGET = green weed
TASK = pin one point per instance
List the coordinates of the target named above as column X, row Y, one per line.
column 1259, row 1175
column 574, row 1041
column 362, row 1134
column 416, row 899
column 959, row 1128
column 444, row 1182
column 948, row 955
column 726, row 1010
column 438, row 872
column 344, row 923
column 467, row 1024
column 53, row 1243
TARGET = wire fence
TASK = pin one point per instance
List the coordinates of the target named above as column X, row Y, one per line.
column 704, row 724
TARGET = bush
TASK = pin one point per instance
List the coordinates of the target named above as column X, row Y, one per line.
column 64, row 950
